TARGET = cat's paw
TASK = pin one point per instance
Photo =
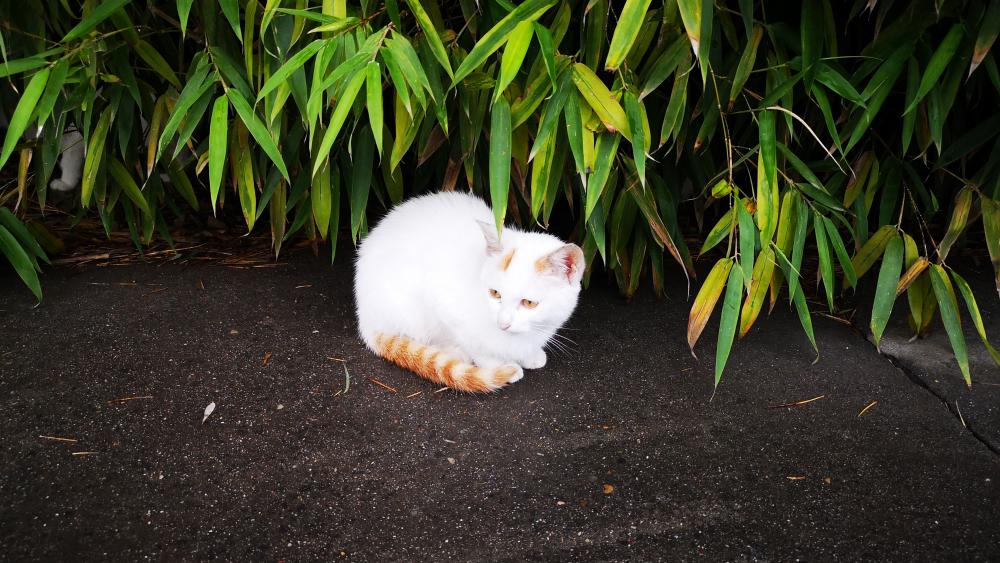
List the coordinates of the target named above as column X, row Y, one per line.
column 535, row 360
column 517, row 374
column 60, row 186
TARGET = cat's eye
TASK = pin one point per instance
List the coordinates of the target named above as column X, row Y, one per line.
column 529, row 304
column 494, row 294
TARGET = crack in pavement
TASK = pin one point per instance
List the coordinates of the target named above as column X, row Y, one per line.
column 914, row 378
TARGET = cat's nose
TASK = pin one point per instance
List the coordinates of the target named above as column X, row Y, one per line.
column 504, row 325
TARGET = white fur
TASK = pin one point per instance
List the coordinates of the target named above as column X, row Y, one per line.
column 70, row 162
column 427, row 269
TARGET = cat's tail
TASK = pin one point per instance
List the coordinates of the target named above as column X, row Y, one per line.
column 440, row 367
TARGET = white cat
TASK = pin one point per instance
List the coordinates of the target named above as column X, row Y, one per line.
column 438, row 290
column 70, row 162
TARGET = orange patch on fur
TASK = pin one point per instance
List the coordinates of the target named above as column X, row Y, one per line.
column 505, row 262
column 542, row 265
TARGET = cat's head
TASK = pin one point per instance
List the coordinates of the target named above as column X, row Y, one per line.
column 531, row 281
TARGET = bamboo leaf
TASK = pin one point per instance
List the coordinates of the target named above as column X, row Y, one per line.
column 121, row 177
column 93, row 19
column 24, row 237
column 833, row 236
column 606, row 148
column 500, row 139
column 257, row 129
column 885, row 290
column 231, row 9
column 218, row 136
column 373, row 91
column 991, row 228
column 23, row 113
column 95, row 155
column 825, row 261
column 183, row 11
column 977, row 317
column 319, row 197
column 937, row 65
column 748, row 240
column 285, row 71
column 727, row 322
column 746, row 64
column 156, row 61
column 872, row 249
column 339, row 115
column 945, row 294
column 433, row 39
column 22, row 263
column 632, row 16
column 767, row 178
column 513, row 56
column 763, row 270
column 361, row 176
column 496, row 36
column 959, row 217
column 638, row 125
column 548, row 51
column 720, row 230
column 600, row 99
column 704, row 302
column 989, row 28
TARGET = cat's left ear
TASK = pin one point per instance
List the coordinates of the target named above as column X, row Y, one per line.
column 493, row 245
column 566, row 262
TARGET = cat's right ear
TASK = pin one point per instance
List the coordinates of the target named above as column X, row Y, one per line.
column 492, row 239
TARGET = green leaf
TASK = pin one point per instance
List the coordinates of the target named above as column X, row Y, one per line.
column 767, row 178
column 231, row 9
column 373, row 91
column 22, row 113
column 285, row 71
column 122, row 178
column 747, row 239
column 638, row 126
column 885, row 290
column 674, row 56
column 948, row 305
column 500, row 138
column 495, row 37
column 257, row 129
column 513, row 57
column 319, row 197
column 798, row 249
column 361, row 180
column 746, row 64
column 95, row 154
column 607, row 148
column 548, row 51
column 599, row 98
column 156, row 61
column 842, row 256
column 938, row 64
column 977, row 317
column 433, row 39
column 825, row 262
column 183, row 11
column 339, row 115
column 95, row 17
column 632, row 16
column 811, row 21
column 959, row 218
column 57, row 77
column 26, row 239
column 989, row 28
column 22, row 263
column 727, row 323
column 565, row 92
column 218, row 136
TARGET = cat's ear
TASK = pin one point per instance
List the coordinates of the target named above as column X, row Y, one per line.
column 493, row 245
column 566, row 262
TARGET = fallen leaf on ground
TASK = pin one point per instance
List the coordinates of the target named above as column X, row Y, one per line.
column 608, row 489
column 208, row 411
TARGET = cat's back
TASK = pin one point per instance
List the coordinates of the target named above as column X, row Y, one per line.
column 436, row 221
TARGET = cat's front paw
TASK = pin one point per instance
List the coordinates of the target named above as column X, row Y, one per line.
column 536, row 360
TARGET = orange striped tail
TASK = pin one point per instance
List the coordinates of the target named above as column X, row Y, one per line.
column 438, row 366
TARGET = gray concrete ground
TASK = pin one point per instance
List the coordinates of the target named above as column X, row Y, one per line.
column 615, row 452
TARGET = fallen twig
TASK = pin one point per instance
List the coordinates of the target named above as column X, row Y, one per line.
column 380, row 384
column 867, row 408
column 796, row 403
column 59, row 439
column 126, row 399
